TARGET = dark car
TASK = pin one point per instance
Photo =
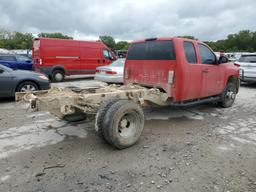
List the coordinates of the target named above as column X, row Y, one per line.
column 12, row 81
column 16, row 61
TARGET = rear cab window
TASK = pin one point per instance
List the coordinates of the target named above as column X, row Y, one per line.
column 152, row 50
column 190, row 52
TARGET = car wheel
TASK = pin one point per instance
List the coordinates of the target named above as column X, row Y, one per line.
column 228, row 96
column 27, row 86
column 123, row 124
column 58, row 75
column 104, row 106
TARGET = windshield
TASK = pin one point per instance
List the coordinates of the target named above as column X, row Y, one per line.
column 248, row 58
column 118, row 63
column 5, row 68
column 152, row 50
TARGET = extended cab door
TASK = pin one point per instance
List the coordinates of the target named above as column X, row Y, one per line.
column 212, row 75
column 192, row 78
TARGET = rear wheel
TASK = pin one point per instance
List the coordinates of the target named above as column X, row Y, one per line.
column 101, row 114
column 123, row 124
column 27, row 86
column 58, row 75
column 229, row 95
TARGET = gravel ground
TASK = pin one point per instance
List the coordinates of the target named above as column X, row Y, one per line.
column 199, row 149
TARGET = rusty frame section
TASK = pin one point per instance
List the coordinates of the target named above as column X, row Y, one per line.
column 66, row 101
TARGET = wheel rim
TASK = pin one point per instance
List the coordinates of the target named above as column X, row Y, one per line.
column 128, row 125
column 230, row 95
column 28, row 88
column 58, row 76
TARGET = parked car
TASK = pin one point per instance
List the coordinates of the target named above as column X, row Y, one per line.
column 16, row 61
column 58, row 57
column 112, row 73
column 247, row 64
column 12, row 81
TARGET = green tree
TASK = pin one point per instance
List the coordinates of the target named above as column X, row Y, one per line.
column 122, row 45
column 54, row 35
column 15, row 40
column 109, row 41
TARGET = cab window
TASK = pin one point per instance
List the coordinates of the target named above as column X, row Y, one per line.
column 106, row 54
column 190, row 52
column 206, row 55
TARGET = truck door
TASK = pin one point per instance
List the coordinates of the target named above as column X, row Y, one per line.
column 211, row 72
column 192, row 83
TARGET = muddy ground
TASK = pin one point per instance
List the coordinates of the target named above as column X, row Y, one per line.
column 203, row 148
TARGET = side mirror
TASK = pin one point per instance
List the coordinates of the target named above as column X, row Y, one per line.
column 28, row 61
column 223, row 59
column 1, row 70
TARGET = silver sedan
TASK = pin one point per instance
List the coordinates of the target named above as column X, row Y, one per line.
column 112, row 73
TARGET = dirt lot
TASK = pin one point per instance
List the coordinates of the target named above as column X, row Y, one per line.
column 202, row 148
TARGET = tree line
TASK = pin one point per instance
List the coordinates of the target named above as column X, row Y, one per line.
column 244, row 40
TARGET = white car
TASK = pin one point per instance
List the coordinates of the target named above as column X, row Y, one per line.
column 112, row 73
column 247, row 64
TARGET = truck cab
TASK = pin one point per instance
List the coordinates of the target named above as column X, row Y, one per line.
column 185, row 69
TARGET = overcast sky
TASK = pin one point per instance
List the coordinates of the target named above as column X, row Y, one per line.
column 129, row 19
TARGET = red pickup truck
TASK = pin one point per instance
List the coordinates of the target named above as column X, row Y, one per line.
column 160, row 71
column 60, row 57
column 187, row 70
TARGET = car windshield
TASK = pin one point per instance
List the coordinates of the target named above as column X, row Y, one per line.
column 118, row 63
column 248, row 58
column 5, row 68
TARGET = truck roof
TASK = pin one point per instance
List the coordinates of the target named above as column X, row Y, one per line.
column 163, row 39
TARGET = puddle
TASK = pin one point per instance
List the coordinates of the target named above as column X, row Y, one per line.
column 39, row 134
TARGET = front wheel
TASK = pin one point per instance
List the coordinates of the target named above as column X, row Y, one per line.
column 58, row 76
column 123, row 124
column 27, row 87
column 228, row 96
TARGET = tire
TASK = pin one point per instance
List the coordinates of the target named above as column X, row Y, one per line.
column 58, row 76
column 27, row 86
column 101, row 114
column 228, row 96
column 123, row 124
column 75, row 117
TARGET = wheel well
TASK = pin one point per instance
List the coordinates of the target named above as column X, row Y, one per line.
column 234, row 80
column 16, row 89
column 58, row 69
